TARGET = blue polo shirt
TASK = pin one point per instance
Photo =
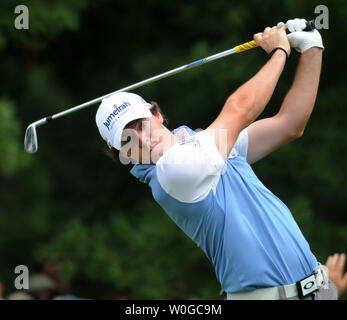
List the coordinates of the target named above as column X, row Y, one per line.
column 247, row 233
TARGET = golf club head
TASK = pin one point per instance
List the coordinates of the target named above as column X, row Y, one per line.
column 30, row 139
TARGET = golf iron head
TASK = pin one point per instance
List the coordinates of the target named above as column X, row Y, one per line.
column 30, row 139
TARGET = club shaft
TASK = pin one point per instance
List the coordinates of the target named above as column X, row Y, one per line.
column 139, row 84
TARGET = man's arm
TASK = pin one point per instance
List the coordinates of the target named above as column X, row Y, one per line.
column 248, row 101
column 266, row 135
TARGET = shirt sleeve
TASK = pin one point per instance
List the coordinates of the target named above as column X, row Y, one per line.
column 191, row 168
column 241, row 145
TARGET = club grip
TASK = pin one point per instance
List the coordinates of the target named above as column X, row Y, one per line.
column 246, row 46
column 310, row 25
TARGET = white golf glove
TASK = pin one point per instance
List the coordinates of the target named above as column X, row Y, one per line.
column 302, row 40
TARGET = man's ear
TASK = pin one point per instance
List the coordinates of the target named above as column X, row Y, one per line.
column 160, row 117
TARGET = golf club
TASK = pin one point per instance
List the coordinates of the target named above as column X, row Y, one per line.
column 30, row 139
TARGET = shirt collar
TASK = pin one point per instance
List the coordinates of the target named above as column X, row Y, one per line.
column 142, row 171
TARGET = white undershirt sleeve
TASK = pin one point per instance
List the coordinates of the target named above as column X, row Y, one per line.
column 241, row 145
column 191, row 168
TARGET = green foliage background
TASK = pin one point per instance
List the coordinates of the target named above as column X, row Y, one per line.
column 70, row 203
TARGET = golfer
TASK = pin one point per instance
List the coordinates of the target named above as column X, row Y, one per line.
column 205, row 183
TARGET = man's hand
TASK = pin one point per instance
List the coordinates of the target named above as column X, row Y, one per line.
column 271, row 38
column 336, row 265
column 301, row 40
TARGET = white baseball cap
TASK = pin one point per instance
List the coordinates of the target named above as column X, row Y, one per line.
column 116, row 111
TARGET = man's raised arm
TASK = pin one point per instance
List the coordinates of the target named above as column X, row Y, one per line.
column 266, row 135
column 248, row 101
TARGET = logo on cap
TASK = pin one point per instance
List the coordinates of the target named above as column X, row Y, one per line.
column 113, row 115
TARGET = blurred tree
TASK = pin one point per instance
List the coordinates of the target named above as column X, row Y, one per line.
column 142, row 254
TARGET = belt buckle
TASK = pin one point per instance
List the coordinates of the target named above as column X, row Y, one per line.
column 306, row 286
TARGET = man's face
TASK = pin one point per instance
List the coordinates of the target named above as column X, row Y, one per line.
column 147, row 141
